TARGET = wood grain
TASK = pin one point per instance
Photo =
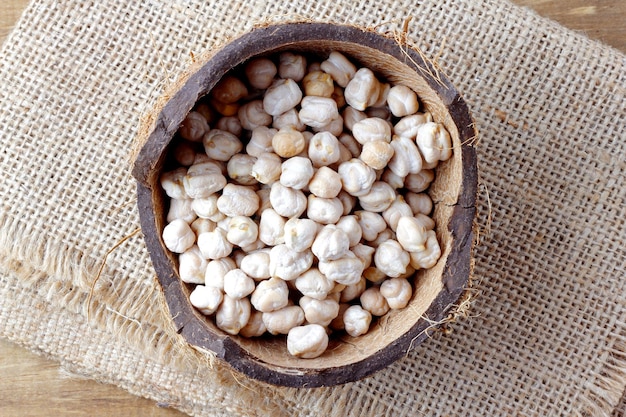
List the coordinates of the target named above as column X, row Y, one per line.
column 33, row 386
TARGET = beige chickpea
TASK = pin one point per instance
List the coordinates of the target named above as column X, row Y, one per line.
column 363, row 90
column 338, row 96
column 264, row 200
column 380, row 112
column 233, row 314
column 267, row 168
column 411, row 234
column 330, row 243
column 287, row 202
column 206, row 299
column 335, row 127
column 365, row 253
column 216, row 270
column 271, row 228
column 318, row 83
column 239, row 169
column 255, row 326
column 377, row 154
column 395, row 181
column 314, row 284
column 193, row 127
column 410, row 271
column 406, row 158
column 300, row 233
column 288, row 264
column 203, row 179
column 320, row 312
column 256, row 264
column 323, row 149
column 348, row 201
column 230, row 124
column 420, row 181
column 184, row 153
column 409, row 125
column 391, row 258
column 270, row 295
column 352, row 116
column 326, row 183
column 346, row 270
column 374, row 275
column 292, row 66
column 434, row 143
column 379, row 197
column 371, row 129
column 221, row 145
column 192, row 266
column 201, row 225
column 296, row 172
column 371, row 224
column 383, row 236
column 402, row 101
column 395, row 211
column 308, row 341
column 317, row 111
column 205, row 110
column 253, row 114
column 350, row 225
column 172, row 183
column 344, row 156
column 214, row 245
column 260, row 141
column 237, row 284
column 324, row 210
column 379, row 106
column 356, row 176
column 283, row 320
column 242, row 231
column 425, row 220
column 354, row 291
column 419, row 202
column 181, row 209
column 374, row 302
column 397, row 292
column 356, row 320
column 288, row 118
column 338, row 323
column 283, row 95
column 238, row 200
column 260, row 72
column 339, row 68
column 427, row 258
column 229, row 89
column 178, row 236
column 350, row 143
column 225, row 109
column 288, row 142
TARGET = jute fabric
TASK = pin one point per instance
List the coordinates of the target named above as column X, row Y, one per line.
column 545, row 334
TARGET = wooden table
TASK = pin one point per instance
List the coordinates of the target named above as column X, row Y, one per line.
column 33, row 386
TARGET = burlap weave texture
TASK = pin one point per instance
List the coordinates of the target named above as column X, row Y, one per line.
column 546, row 334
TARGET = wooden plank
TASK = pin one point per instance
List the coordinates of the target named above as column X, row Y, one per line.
column 603, row 20
column 32, row 386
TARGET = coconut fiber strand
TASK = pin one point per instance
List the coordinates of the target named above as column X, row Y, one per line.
column 545, row 334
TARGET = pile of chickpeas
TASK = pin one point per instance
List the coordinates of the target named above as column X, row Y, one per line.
column 297, row 199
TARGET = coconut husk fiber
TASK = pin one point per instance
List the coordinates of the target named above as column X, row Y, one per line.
column 545, row 334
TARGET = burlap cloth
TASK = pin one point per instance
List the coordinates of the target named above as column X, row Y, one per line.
column 546, row 333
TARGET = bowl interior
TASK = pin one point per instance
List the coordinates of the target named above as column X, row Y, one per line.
column 454, row 189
